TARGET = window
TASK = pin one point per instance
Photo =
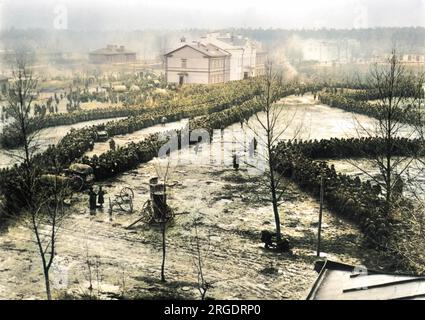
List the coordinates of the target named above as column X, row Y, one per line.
column 184, row 63
column 217, row 63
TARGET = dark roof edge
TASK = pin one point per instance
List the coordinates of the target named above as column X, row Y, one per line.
column 321, row 266
column 200, row 51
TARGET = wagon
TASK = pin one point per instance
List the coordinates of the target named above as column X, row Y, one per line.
column 102, row 136
column 81, row 174
column 51, row 183
column 155, row 210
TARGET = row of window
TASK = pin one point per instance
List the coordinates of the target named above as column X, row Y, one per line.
column 219, row 63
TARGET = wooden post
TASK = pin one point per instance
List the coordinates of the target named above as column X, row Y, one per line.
column 320, row 217
column 110, row 209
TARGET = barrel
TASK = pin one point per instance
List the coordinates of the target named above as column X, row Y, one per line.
column 155, row 186
column 158, row 197
column 159, row 202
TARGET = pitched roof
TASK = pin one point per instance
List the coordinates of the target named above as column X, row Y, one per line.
column 225, row 45
column 112, row 50
column 206, row 49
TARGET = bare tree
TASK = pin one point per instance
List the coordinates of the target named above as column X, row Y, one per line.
column 93, row 274
column 397, row 95
column 41, row 208
column 411, row 234
column 45, row 222
column 199, row 260
column 269, row 127
column 203, row 251
column 162, row 210
column 19, row 99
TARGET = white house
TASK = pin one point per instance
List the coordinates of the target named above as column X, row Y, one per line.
column 214, row 58
column 197, row 63
column 236, row 53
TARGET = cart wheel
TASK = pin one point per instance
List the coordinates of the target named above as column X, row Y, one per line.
column 147, row 212
column 126, row 193
column 126, row 196
column 76, row 183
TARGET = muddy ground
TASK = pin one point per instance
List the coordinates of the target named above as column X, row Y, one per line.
column 232, row 207
column 232, row 210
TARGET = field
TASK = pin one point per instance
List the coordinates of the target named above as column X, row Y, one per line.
column 232, row 212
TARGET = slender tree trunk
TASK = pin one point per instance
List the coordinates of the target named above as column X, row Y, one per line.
column 204, row 292
column 274, row 198
column 163, row 252
column 388, row 195
column 47, row 282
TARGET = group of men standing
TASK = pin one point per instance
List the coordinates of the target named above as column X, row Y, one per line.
column 96, row 199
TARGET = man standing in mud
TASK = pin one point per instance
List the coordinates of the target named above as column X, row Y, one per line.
column 92, row 199
column 101, row 197
column 112, row 145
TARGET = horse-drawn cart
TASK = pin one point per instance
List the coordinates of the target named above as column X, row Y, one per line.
column 74, row 179
column 82, row 174
column 155, row 209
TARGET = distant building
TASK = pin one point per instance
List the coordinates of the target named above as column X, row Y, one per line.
column 413, row 58
column 260, row 62
column 197, row 63
column 112, row 54
column 214, row 58
column 408, row 59
column 329, row 51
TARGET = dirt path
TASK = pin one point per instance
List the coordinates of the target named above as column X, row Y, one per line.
column 47, row 137
column 232, row 209
column 137, row 136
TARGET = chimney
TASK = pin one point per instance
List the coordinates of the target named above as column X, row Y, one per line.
column 182, row 39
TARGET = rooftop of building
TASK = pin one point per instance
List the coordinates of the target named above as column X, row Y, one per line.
column 112, row 50
column 207, row 49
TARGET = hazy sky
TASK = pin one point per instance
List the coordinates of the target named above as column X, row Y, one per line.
column 211, row 14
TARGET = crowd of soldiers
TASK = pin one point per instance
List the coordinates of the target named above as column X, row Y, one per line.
column 123, row 159
column 360, row 201
column 42, row 109
column 364, row 107
column 339, row 148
